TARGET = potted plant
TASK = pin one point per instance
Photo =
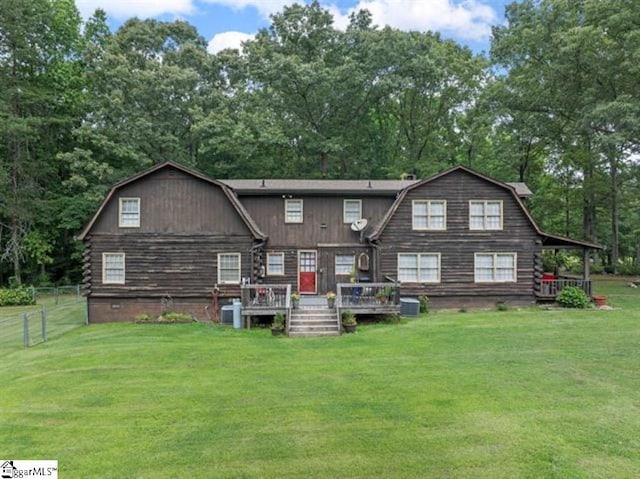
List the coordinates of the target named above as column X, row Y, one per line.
column 349, row 322
column 277, row 327
column 295, row 300
column 382, row 296
column 331, row 299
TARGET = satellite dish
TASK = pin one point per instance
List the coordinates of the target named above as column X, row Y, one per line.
column 359, row 225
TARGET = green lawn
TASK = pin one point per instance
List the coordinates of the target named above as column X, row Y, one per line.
column 481, row 394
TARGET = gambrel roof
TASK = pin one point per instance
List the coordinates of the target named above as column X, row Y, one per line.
column 516, row 190
column 233, row 199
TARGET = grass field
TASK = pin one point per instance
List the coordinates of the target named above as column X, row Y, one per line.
column 531, row 393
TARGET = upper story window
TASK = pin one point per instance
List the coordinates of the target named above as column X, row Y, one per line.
column 113, row 268
column 429, row 215
column 293, row 211
column 419, row 267
column 129, row 215
column 344, row 264
column 351, row 210
column 275, row 264
column 495, row 267
column 485, row 215
column 229, row 268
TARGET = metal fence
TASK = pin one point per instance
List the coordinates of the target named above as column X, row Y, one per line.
column 57, row 293
column 58, row 311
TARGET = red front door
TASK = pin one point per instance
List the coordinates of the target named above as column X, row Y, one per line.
column 307, row 261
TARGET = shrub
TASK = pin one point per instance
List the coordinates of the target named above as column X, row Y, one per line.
column 502, row 306
column 392, row 318
column 173, row 317
column 142, row 317
column 16, row 297
column 348, row 317
column 278, row 321
column 424, row 303
column 573, row 297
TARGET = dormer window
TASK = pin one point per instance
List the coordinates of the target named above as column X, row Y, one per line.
column 293, row 211
column 129, row 215
column 351, row 210
column 485, row 215
column 429, row 214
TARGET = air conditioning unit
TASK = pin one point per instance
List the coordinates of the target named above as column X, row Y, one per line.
column 226, row 318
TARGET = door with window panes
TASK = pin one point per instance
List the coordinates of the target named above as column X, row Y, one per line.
column 307, row 272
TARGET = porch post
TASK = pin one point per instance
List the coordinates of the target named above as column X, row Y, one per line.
column 585, row 271
column 585, row 264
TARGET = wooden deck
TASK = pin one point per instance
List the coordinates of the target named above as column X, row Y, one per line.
column 368, row 298
column 265, row 299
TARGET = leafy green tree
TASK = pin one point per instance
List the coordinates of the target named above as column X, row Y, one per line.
column 570, row 68
column 39, row 75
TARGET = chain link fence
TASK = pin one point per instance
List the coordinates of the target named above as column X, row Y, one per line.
column 57, row 311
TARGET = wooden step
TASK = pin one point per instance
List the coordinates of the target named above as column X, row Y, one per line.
column 314, row 322
column 309, row 334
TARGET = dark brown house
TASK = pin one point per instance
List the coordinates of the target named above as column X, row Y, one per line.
column 458, row 237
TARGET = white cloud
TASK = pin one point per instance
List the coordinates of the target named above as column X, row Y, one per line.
column 225, row 40
column 469, row 19
column 123, row 9
column 264, row 7
column 466, row 19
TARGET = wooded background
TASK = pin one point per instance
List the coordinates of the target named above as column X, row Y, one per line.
column 554, row 104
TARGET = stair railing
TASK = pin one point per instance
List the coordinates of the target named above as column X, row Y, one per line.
column 288, row 309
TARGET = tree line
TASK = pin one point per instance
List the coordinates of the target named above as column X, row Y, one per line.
column 554, row 104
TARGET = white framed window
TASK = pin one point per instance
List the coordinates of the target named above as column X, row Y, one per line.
column 113, row 268
column 275, row 264
column 351, row 210
column 344, row 264
column 419, row 267
column 129, row 213
column 229, row 268
column 429, row 214
column 293, row 211
column 485, row 215
column 495, row 267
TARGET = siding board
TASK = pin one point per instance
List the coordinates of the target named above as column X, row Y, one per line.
column 268, row 212
column 173, row 202
column 457, row 244
column 157, row 264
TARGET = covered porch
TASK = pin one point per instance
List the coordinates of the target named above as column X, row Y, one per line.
column 548, row 284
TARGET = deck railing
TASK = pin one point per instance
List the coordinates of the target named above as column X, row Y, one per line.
column 550, row 288
column 366, row 296
column 266, row 297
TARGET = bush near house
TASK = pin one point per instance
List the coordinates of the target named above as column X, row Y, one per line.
column 573, row 297
column 16, row 297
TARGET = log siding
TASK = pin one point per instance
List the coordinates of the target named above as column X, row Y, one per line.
column 159, row 264
column 458, row 244
column 186, row 220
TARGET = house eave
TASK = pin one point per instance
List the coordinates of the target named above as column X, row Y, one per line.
column 557, row 241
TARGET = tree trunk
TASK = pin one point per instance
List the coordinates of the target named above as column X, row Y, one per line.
column 588, row 212
column 324, row 163
column 15, row 253
column 615, row 220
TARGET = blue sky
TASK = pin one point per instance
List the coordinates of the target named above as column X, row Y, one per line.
column 225, row 23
